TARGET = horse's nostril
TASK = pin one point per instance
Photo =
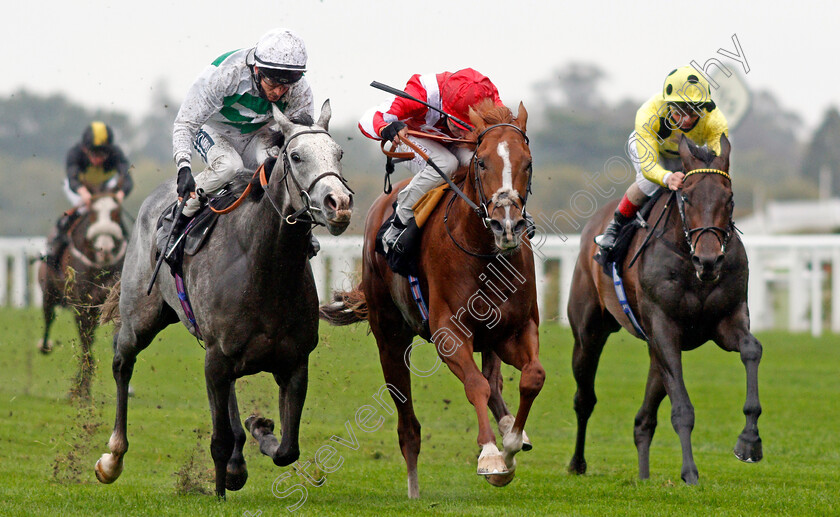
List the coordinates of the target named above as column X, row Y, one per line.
column 695, row 260
column 520, row 226
column 330, row 202
column 719, row 260
column 497, row 227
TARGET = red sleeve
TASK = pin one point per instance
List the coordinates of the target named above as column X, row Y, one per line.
column 398, row 109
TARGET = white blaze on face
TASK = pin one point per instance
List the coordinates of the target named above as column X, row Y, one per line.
column 504, row 154
column 104, row 225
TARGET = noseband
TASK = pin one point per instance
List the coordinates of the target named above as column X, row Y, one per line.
column 307, row 208
column 692, row 235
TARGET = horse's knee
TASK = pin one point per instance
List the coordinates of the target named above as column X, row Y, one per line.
column 644, row 427
column 751, row 349
column 682, row 416
column 584, row 404
column 532, row 379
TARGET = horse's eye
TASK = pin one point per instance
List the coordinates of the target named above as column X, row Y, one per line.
column 340, row 154
column 685, row 199
column 480, row 163
column 295, row 157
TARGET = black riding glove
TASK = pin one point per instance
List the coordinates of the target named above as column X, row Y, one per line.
column 186, row 182
column 390, row 131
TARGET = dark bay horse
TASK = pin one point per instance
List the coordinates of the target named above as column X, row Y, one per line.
column 688, row 286
column 88, row 267
column 252, row 293
column 480, row 288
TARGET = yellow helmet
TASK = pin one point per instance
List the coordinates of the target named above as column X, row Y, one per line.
column 685, row 84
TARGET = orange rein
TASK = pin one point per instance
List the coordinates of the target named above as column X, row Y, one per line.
column 261, row 171
column 392, row 153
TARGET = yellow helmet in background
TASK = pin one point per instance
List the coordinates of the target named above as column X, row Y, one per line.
column 686, row 84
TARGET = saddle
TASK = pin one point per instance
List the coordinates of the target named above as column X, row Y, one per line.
column 625, row 237
column 198, row 229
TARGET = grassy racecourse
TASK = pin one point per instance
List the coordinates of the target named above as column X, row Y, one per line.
column 49, row 446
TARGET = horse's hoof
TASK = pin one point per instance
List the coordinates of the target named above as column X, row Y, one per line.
column 257, row 424
column 500, row 479
column 283, row 460
column 577, row 466
column 526, row 442
column 107, row 470
column 45, row 347
column 691, row 477
column 491, row 464
column 748, row 452
column 236, row 480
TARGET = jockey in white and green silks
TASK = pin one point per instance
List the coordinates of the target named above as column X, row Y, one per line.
column 684, row 107
column 227, row 113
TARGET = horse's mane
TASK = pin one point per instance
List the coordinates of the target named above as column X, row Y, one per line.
column 492, row 113
column 243, row 178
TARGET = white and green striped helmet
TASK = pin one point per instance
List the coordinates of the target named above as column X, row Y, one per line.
column 280, row 49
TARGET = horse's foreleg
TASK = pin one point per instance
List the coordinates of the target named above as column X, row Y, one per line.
column 523, row 354
column 491, row 369
column 665, row 344
column 86, row 324
column 645, row 424
column 49, row 303
column 292, row 397
column 237, row 471
column 128, row 345
column 477, row 389
column 218, row 381
column 734, row 335
column 748, row 447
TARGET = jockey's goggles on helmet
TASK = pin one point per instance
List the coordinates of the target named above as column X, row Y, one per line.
column 275, row 77
column 691, row 107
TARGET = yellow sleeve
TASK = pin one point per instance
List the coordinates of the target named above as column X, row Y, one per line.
column 647, row 142
column 714, row 125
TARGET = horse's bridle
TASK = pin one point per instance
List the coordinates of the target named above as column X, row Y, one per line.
column 482, row 199
column 692, row 235
column 481, row 208
column 307, row 208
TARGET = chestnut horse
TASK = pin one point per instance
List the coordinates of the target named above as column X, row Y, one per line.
column 688, row 286
column 480, row 288
column 88, row 267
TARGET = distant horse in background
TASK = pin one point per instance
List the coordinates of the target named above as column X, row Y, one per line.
column 88, row 267
column 477, row 273
column 689, row 286
column 253, row 296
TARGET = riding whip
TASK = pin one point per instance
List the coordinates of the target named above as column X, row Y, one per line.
column 178, row 213
column 400, row 93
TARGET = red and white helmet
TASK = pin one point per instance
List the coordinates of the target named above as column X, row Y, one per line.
column 464, row 89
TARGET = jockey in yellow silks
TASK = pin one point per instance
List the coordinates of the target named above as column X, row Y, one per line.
column 684, row 107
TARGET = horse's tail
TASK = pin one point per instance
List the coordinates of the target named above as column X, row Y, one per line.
column 111, row 308
column 348, row 307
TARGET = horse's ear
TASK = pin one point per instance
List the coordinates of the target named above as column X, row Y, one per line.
column 284, row 122
column 477, row 121
column 521, row 117
column 684, row 148
column 725, row 147
column 326, row 113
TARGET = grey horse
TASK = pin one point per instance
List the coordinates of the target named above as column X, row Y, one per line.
column 252, row 292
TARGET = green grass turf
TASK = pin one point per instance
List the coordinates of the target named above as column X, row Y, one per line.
column 48, row 445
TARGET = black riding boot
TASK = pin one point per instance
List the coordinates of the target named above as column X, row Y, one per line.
column 391, row 237
column 607, row 239
column 57, row 244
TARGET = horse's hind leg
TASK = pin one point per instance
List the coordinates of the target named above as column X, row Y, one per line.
column 734, row 335
column 237, row 471
column 394, row 358
column 491, row 369
column 645, row 424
